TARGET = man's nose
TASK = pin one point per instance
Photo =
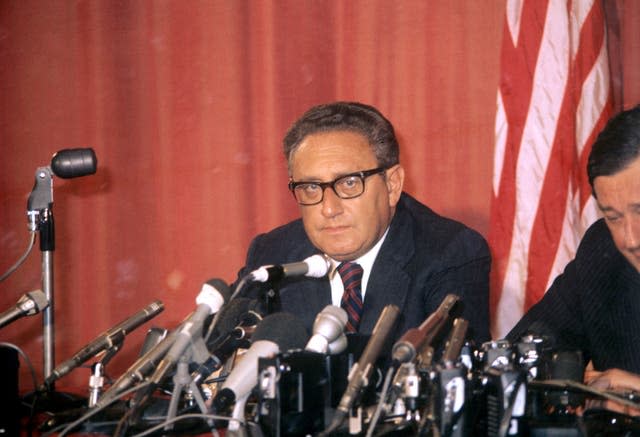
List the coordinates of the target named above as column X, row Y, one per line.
column 632, row 234
column 331, row 203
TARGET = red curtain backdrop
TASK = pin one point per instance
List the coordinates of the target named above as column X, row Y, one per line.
column 185, row 105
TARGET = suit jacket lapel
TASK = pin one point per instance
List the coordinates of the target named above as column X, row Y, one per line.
column 389, row 281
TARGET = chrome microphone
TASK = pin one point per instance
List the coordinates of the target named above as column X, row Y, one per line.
column 29, row 304
column 328, row 328
column 108, row 339
column 315, row 266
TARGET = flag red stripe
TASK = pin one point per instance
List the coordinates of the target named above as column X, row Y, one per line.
column 558, row 157
column 516, row 85
column 562, row 166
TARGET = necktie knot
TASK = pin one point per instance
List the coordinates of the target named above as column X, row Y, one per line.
column 351, row 274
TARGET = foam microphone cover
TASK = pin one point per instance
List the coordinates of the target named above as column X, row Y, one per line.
column 72, row 163
column 220, row 286
column 284, row 329
column 230, row 317
column 278, row 332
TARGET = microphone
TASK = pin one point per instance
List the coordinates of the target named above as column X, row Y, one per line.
column 108, row 339
column 72, row 163
column 143, row 366
column 237, row 323
column 276, row 333
column 212, row 296
column 456, row 340
column 338, row 345
column 154, row 336
column 328, row 327
column 241, row 314
column 451, row 386
column 148, row 362
column 29, row 304
column 406, row 349
column 361, row 371
column 187, row 342
column 315, row 266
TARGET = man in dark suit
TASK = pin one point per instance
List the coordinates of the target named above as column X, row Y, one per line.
column 594, row 305
column 345, row 174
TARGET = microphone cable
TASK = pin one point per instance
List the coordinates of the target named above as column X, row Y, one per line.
column 65, row 428
column 21, row 260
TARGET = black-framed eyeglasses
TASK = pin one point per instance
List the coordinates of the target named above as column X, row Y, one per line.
column 345, row 187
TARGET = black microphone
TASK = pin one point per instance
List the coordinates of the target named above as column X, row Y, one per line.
column 361, row 371
column 406, row 349
column 328, row 328
column 212, row 296
column 29, row 304
column 139, row 370
column 73, row 163
column 154, row 336
column 277, row 332
column 237, row 323
column 315, row 266
column 147, row 363
column 240, row 314
column 104, row 341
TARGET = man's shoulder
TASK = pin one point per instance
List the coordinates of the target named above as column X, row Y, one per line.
column 597, row 240
column 292, row 228
column 433, row 228
column 285, row 243
column 291, row 233
column 598, row 254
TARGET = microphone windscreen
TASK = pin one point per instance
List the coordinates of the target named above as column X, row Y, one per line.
column 39, row 301
column 71, row 163
column 221, row 287
column 283, row 329
column 154, row 336
column 231, row 314
column 318, row 266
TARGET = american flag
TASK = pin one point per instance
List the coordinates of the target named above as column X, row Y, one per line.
column 554, row 97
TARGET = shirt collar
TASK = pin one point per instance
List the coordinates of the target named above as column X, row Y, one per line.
column 365, row 261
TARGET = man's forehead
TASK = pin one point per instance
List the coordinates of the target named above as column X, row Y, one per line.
column 620, row 190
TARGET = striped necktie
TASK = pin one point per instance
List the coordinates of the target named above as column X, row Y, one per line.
column 351, row 274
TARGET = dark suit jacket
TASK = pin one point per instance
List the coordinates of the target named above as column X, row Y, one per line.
column 423, row 258
column 593, row 306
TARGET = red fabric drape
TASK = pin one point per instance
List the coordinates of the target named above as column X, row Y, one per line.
column 185, row 105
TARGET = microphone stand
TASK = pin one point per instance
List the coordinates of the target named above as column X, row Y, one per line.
column 40, row 214
column 196, row 351
column 40, row 217
column 183, row 382
column 96, row 380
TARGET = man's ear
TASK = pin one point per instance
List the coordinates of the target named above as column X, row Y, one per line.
column 395, row 181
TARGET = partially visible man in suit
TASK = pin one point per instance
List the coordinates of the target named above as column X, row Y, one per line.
column 594, row 305
column 345, row 174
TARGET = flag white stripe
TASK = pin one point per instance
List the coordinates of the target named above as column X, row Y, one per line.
column 557, row 56
column 550, row 79
column 501, row 140
column 593, row 98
